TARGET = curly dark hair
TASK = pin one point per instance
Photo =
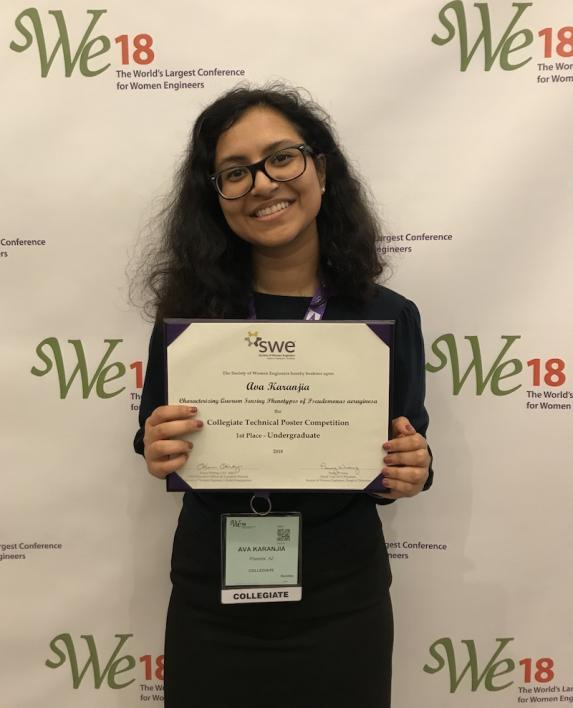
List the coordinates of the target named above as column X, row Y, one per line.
column 200, row 268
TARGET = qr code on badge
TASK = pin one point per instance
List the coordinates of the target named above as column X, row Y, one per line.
column 283, row 535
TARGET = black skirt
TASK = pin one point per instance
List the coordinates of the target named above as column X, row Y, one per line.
column 333, row 648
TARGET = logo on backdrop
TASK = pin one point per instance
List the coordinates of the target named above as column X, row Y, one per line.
column 508, row 43
column 115, row 668
column 490, row 668
column 93, row 53
column 491, row 673
column 101, row 378
column 85, row 56
column 445, row 348
column 454, row 20
column 503, row 373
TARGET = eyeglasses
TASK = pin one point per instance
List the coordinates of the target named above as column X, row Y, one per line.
column 282, row 166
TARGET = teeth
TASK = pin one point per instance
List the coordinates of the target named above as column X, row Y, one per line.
column 272, row 209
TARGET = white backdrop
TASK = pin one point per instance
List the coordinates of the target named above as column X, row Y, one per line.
column 480, row 156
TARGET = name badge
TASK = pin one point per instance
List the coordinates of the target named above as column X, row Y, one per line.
column 261, row 558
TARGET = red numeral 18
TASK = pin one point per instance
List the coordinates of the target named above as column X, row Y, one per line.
column 147, row 660
column 544, row 673
column 138, row 366
column 142, row 43
column 564, row 46
column 554, row 372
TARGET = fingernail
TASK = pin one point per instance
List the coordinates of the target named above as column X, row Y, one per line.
column 388, row 459
column 385, row 483
column 190, row 444
column 191, row 410
column 410, row 429
column 387, row 446
column 199, row 423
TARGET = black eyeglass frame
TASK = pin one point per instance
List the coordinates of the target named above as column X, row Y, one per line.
column 303, row 148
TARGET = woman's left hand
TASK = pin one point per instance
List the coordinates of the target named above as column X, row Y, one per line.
column 407, row 461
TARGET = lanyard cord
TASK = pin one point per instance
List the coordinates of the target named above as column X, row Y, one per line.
column 315, row 311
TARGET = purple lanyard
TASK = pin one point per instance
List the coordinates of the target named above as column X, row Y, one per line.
column 315, row 310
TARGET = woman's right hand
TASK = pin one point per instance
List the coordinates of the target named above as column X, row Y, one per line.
column 162, row 453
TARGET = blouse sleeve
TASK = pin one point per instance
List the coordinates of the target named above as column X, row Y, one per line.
column 409, row 384
column 153, row 393
column 409, row 380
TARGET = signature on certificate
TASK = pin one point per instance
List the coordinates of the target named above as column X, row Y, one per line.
column 222, row 467
column 340, row 470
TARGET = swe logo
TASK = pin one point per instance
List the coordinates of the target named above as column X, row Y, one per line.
column 271, row 346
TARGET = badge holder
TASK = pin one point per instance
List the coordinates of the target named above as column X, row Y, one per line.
column 261, row 555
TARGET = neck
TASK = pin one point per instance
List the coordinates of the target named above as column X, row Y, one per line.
column 287, row 271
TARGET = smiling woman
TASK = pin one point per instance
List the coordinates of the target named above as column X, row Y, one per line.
column 269, row 221
column 203, row 267
column 277, row 216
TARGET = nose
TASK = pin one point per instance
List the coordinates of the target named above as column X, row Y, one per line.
column 263, row 184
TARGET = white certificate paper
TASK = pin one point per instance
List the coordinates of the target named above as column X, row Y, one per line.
column 285, row 405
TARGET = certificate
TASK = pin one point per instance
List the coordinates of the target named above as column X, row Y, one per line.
column 285, row 405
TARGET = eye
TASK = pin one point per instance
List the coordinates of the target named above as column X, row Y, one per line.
column 234, row 174
column 283, row 157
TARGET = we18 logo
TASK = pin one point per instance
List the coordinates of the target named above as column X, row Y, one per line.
column 498, row 375
column 87, row 54
column 508, row 49
column 98, row 379
column 495, row 674
column 117, row 670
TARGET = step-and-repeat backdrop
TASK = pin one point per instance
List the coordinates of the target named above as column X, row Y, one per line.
column 458, row 115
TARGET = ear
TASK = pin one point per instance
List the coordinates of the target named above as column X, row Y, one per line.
column 320, row 167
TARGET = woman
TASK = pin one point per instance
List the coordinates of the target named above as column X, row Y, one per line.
column 266, row 211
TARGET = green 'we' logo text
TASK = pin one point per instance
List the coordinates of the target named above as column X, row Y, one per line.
column 84, row 55
column 64, row 649
column 99, row 380
column 492, row 676
column 29, row 24
column 445, row 348
column 443, row 652
column 115, row 671
column 454, row 20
